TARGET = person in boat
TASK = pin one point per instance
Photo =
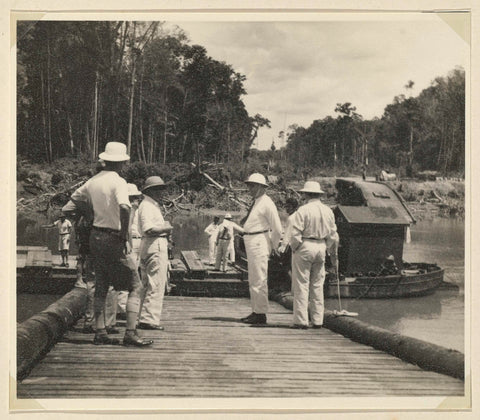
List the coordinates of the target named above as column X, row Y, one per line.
column 224, row 240
column 389, row 268
column 64, row 227
column 291, row 205
column 262, row 232
column 135, row 197
column 153, row 252
column 109, row 243
column 313, row 233
column 212, row 230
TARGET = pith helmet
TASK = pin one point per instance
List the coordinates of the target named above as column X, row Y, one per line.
column 256, row 178
column 114, row 152
column 153, row 181
column 133, row 190
column 390, row 258
column 228, row 216
column 312, row 187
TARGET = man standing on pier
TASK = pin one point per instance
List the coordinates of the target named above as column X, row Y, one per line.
column 313, row 233
column 262, row 232
column 154, row 231
column 109, row 242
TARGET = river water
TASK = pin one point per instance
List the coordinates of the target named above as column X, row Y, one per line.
column 437, row 318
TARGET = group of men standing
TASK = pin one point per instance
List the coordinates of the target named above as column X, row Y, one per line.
column 111, row 238
column 310, row 233
column 116, row 228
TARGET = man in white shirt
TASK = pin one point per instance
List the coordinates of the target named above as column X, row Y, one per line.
column 107, row 193
column 313, row 233
column 153, row 252
column 262, row 232
column 64, row 230
column 212, row 230
column 224, row 240
column 135, row 197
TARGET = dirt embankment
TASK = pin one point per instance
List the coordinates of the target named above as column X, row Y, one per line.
column 43, row 189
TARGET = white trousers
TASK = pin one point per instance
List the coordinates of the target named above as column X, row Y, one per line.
column 231, row 251
column 222, row 252
column 212, row 248
column 258, row 251
column 308, row 276
column 154, row 268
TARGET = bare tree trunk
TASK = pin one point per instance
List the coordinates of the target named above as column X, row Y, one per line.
column 44, row 117
column 95, row 116
column 141, row 153
column 49, row 111
column 130, row 116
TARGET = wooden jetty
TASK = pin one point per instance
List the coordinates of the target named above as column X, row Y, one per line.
column 205, row 351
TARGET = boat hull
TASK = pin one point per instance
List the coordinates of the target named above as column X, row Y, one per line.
column 423, row 279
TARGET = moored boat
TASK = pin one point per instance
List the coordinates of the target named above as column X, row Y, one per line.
column 373, row 223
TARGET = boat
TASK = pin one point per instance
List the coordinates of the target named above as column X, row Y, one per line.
column 373, row 222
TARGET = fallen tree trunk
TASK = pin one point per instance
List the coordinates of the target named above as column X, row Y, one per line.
column 426, row 355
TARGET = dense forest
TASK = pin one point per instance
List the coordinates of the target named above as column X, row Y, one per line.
column 81, row 84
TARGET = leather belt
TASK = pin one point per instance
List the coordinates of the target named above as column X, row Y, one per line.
column 256, row 233
column 107, row 230
column 313, row 239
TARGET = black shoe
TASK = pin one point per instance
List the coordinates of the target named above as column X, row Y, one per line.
column 89, row 329
column 112, row 330
column 145, row 326
column 255, row 318
column 104, row 339
column 135, row 340
column 317, row 327
column 299, row 327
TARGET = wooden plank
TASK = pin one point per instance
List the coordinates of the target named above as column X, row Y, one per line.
column 194, row 264
column 205, row 351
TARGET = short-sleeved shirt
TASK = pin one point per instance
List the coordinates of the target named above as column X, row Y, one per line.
column 264, row 216
column 149, row 215
column 106, row 191
column 313, row 220
column 64, row 227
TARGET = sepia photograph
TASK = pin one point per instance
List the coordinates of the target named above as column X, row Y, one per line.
column 240, row 207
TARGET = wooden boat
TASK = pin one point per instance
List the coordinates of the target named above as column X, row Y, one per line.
column 414, row 280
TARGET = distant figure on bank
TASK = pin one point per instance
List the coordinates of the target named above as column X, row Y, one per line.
column 154, row 231
column 313, row 233
column 212, row 230
column 389, row 268
column 262, row 232
column 64, row 230
column 364, row 172
column 107, row 193
column 224, row 240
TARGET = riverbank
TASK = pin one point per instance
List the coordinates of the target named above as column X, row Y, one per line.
column 43, row 189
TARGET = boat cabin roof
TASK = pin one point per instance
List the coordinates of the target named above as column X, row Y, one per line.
column 370, row 203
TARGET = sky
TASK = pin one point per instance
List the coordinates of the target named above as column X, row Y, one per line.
column 297, row 71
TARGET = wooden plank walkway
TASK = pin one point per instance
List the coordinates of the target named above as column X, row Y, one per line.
column 206, row 352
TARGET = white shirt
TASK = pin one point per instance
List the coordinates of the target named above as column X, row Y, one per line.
column 211, row 230
column 313, row 220
column 287, row 234
column 149, row 215
column 134, row 224
column 264, row 216
column 63, row 228
column 106, row 192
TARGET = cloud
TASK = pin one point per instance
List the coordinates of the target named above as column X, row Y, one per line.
column 297, row 71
